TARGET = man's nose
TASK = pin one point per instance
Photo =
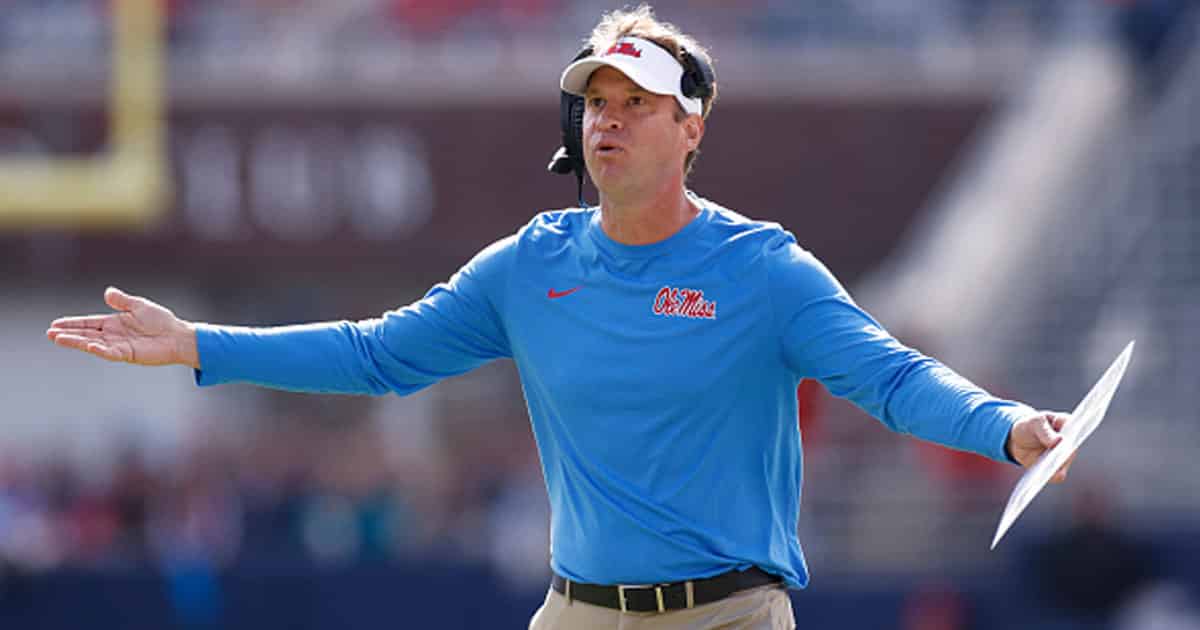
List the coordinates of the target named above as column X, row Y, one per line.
column 609, row 119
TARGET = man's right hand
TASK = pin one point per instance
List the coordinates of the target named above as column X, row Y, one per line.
column 141, row 332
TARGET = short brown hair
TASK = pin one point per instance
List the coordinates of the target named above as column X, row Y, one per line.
column 641, row 22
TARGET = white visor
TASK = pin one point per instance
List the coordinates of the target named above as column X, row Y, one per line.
column 644, row 62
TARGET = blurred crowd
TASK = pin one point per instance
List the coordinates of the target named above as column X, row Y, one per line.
column 319, row 38
column 223, row 23
column 298, row 492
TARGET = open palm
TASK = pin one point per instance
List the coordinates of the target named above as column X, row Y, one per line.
column 141, row 332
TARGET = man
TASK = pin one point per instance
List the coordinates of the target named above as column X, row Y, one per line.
column 659, row 339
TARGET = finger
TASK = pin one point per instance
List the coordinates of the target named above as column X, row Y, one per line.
column 1059, row 420
column 1046, row 434
column 90, row 333
column 120, row 300
column 69, row 340
column 83, row 321
column 1061, row 475
column 84, row 344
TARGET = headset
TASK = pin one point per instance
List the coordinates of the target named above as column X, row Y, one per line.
column 696, row 82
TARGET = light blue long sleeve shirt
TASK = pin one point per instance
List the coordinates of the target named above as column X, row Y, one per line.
column 660, row 381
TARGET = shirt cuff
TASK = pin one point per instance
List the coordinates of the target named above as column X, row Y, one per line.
column 209, row 352
column 1012, row 414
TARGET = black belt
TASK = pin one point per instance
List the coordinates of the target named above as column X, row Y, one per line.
column 664, row 597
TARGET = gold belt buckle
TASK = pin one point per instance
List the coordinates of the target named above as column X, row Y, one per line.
column 658, row 595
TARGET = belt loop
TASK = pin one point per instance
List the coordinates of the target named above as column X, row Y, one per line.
column 691, row 593
column 568, row 593
column 658, row 595
column 621, row 597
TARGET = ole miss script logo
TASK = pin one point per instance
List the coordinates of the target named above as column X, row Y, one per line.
column 684, row 303
column 624, row 48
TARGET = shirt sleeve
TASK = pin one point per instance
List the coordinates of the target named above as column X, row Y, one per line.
column 826, row 336
column 457, row 326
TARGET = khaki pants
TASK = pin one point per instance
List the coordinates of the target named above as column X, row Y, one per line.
column 763, row 608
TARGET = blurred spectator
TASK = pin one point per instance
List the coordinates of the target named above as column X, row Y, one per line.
column 133, row 491
column 1164, row 606
column 811, row 399
column 1091, row 569
column 1146, row 29
column 934, row 607
column 428, row 18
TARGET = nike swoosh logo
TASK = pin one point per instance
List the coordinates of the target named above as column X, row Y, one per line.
column 553, row 295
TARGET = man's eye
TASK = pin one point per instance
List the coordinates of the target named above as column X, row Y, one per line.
column 595, row 101
column 636, row 100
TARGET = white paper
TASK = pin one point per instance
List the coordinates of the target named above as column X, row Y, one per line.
column 1083, row 422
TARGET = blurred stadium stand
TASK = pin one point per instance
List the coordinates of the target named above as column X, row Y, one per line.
column 1120, row 262
column 333, row 159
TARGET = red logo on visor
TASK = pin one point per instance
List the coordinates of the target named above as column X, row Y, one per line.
column 624, row 48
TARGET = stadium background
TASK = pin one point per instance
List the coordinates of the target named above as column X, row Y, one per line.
column 1009, row 186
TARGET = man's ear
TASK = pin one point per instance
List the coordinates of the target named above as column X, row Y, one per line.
column 693, row 129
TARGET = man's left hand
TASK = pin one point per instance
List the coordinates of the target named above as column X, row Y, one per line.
column 1036, row 434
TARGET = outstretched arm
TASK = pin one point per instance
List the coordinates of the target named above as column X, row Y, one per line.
column 454, row 328
column 141, row 332
column 828, row 337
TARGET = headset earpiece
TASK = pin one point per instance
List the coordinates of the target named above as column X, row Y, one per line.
column 571, row 122
column 568, row 159
column 698, row 78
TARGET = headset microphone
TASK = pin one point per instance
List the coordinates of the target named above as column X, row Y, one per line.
column 560, row 162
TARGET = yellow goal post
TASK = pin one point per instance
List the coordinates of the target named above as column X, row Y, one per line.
column 126, row 186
